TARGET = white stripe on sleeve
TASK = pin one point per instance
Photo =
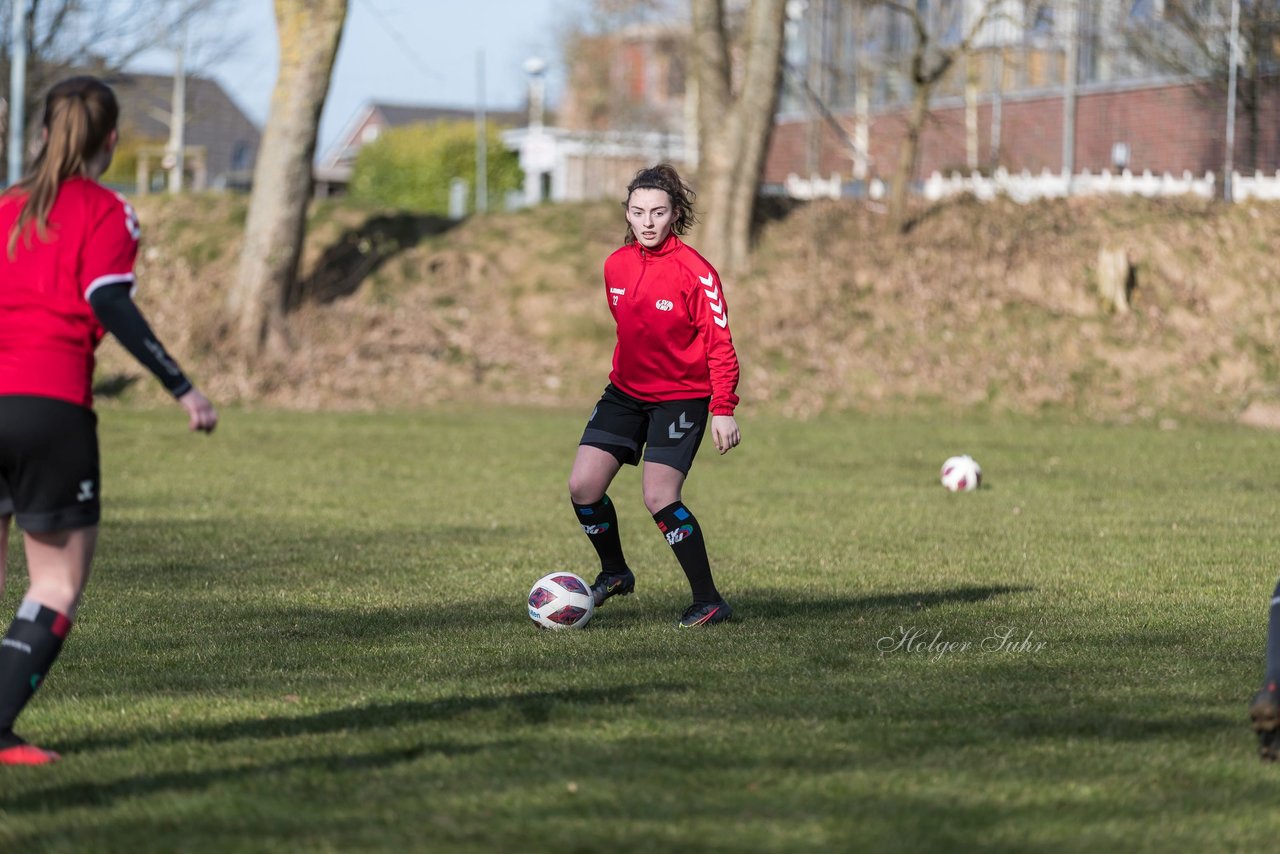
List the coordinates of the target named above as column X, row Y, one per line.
column 113, row 279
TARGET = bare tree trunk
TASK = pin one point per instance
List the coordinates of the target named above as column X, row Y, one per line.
column 925, row 74
column 309, row 31
column 909, row 154
column 734, row 129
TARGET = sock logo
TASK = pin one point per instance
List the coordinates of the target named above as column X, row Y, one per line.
column 592, row 530
column 86, row 491
column 16, row 644
column 35, row 680
column 683, row 532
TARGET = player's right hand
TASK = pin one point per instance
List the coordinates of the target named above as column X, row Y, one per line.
column 200, row 412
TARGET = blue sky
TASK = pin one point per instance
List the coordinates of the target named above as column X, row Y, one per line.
column 398, row 51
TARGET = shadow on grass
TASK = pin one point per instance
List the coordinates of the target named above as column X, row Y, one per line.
column 102, row 794
column 912, row 600
column 533, row 708
column 1111, row 725
column 196, row 552
column 775, row 604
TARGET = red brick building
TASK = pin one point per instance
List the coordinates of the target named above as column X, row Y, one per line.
column 1161, row 127
column 1131, row 111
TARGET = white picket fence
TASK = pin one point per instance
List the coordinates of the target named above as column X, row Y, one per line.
column 1023, row 187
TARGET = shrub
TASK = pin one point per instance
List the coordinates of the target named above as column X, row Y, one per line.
column 412, row 167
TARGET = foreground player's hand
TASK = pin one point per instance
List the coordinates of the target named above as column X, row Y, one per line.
column 724, row 430
column 200, row 412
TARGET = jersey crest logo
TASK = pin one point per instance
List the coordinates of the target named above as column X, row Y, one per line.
column 130, row 218
column 664, row 305
column 716, row 301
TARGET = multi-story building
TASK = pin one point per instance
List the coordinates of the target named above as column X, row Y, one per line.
column 1045, row 85
column 1041, row 85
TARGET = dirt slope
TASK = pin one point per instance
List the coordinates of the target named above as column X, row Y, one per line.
column 992, row 306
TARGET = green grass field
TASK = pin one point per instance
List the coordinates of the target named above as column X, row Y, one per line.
column 308, row 633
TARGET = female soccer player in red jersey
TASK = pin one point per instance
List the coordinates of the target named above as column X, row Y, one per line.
column 673, row 365
column 67, row 247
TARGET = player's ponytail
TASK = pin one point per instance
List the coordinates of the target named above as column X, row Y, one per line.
column 664, row 177
column 79, row 114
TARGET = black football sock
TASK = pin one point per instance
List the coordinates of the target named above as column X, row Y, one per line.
column 684, row 535
column 600, row 522
column 1273, row 639
column 26, row 653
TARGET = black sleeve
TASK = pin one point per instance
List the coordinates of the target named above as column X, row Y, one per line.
column 118, row 315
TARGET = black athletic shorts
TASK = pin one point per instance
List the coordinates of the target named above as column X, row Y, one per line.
column 49, row 475
column 668, row 432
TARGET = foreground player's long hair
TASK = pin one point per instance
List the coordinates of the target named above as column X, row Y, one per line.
column 79, row 114
column 664, row 177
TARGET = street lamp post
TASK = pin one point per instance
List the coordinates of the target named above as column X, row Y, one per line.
column 534, row 154
column 17, row 89
column 536, row 68
column 482, row 140
column 1233, row 51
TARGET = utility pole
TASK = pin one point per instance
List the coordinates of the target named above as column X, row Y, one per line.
column 815, row 60
column 17, row 90
column 1229, row 167
column 997, row 108
column 482, row 141
column 1069, row 92
column 175, row 156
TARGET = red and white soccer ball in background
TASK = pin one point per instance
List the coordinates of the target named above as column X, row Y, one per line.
column 961, row 474
column 561, row 600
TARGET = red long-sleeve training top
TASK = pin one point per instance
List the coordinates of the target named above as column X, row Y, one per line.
column 673, row 326
column 48, row 331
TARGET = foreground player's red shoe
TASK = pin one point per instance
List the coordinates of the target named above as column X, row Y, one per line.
column 27, row 754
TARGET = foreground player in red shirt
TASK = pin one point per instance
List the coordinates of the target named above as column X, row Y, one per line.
column 67, row 247
column 673, row 365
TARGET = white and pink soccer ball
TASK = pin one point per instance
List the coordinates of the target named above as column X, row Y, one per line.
column 961, row 474
column 561, row 600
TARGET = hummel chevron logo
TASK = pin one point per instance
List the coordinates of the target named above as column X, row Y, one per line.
column 713, row 294
column 684, row 427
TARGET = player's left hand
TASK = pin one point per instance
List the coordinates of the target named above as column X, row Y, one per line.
column 200, row 412
column 724, row 430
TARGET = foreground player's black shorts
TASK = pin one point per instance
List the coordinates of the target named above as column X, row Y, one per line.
column 668, row 432
column 49, row 475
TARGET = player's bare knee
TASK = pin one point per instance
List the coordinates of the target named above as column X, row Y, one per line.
column 584, row 491
column 655, row 500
